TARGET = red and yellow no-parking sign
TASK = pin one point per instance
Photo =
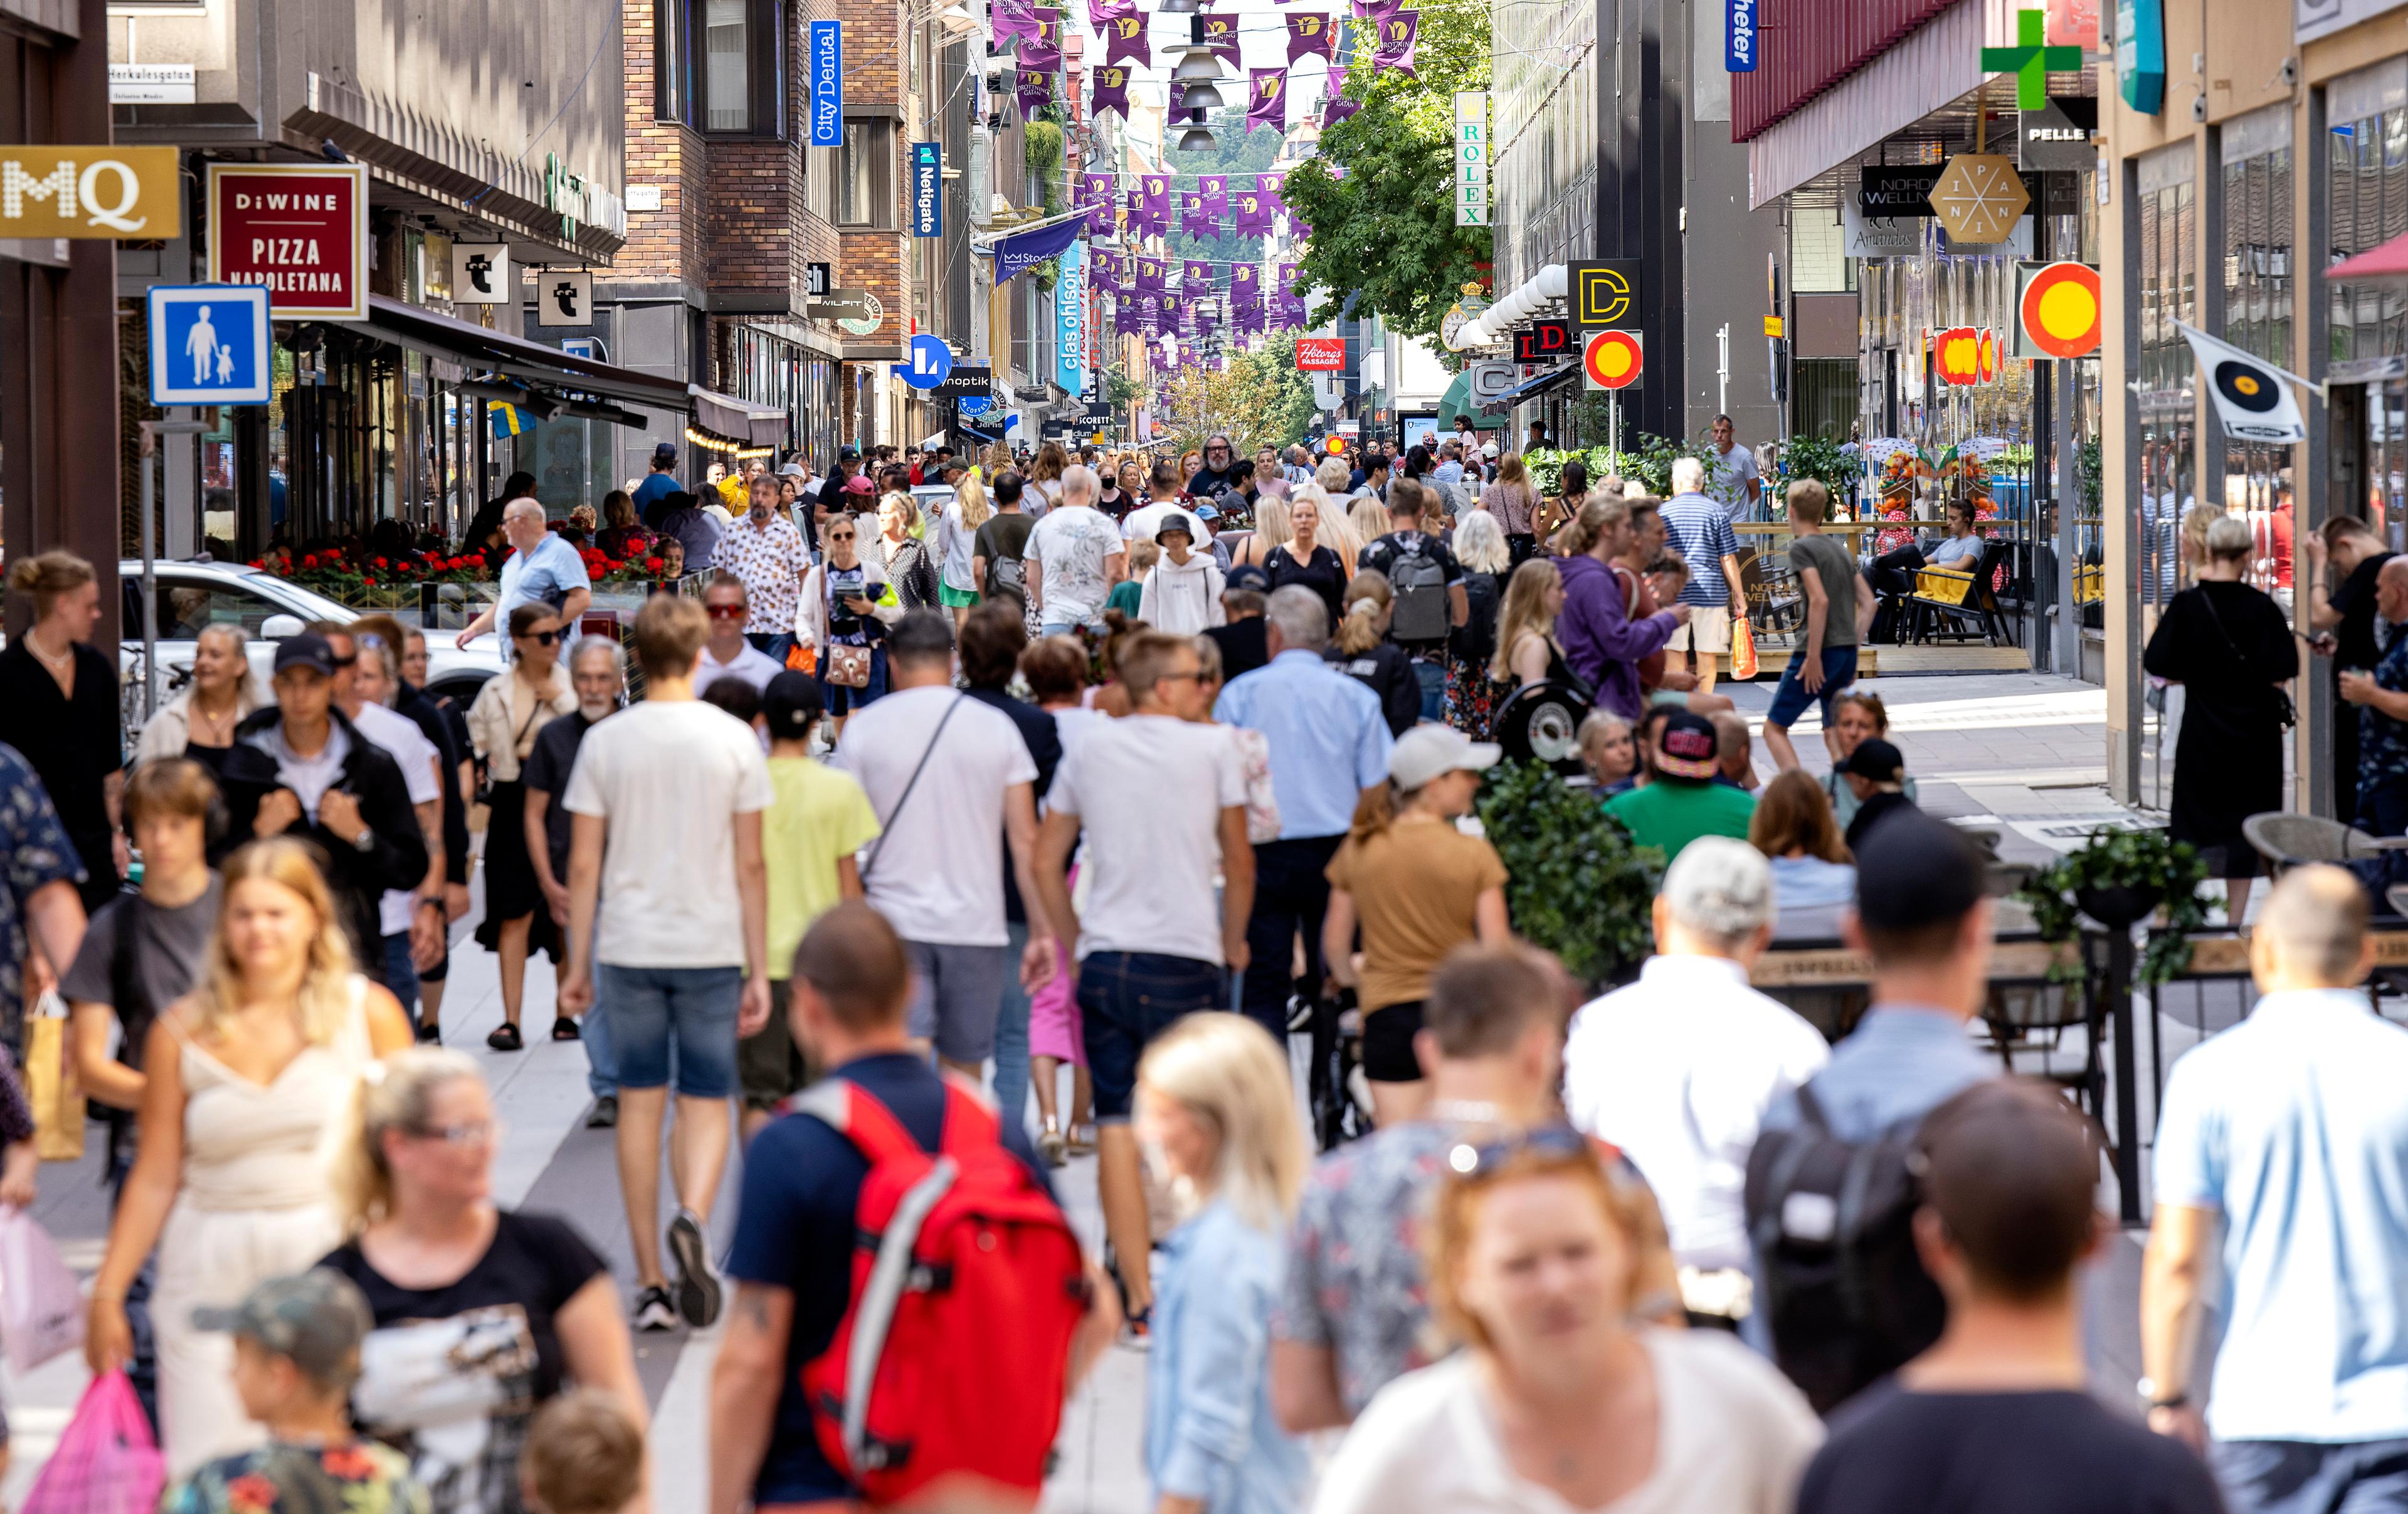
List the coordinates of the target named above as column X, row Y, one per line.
column 1612, row 360
column 2057, row 312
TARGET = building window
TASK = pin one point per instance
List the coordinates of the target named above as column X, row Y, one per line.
column 2255, row 247
column 866, row 174
column 2167, row 275
column 720, row 65
column 726, row 99
column 819, row 182
column 672, row 71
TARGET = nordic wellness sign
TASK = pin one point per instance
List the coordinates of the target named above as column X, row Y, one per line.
column 1739, row 37
column 827, row 83
column 927, row 189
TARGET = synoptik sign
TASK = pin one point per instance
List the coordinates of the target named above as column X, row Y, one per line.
column 827, row 83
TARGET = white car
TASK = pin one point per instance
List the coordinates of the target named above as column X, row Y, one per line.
column 270, row 608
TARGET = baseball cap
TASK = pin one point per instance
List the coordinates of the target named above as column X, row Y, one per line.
column 859, row 484
column 1247, row 576
column 792, row 470
column 1913, row 871
column 1877, row 760
column 308, row 649
column 664, row 453
column 1488, row 448
column 316, row 1319
column 850, row 454
column 791, row 704
column 1431, row 751
column 1687, row 748
column 1205, row 512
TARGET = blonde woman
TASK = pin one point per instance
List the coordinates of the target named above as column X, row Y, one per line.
column 1362, row 652
column 1368, row 520
column 58, row 709
column 1514, row 502
column 199, row 721
column 957, row 551
column 448, row 1272
column 247, row 1080
column 1045, row 476
column 906, row 556
column 1214, row 1098
column 1306, row 559
column 1541, row 1264
column 1337, row 530
column 1527, row 649
column 510, row 713
column 1271, row 529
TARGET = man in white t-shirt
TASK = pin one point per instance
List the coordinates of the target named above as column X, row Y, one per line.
column 730, row 652
column 1073, row 557
column 665, row 804
column 412, row 920
column 952, row 784
column 1161, row 798
column 1735, row 481
column 1678, row 1068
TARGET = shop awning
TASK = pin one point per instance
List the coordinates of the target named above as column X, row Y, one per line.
column 740, row 420
column 1531, row 389
column 2388, row 261
column 1457, row 401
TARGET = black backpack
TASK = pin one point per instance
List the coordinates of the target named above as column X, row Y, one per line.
column 1418, row 581
column 1831, row 1224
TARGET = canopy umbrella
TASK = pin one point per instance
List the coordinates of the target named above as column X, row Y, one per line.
column 1457, row 401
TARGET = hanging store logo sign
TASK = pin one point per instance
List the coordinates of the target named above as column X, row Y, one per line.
column 2031, row 60
column 1979, row 197
column 89, row 193
column 1320, row 354
column 1886, row 193
column 927, row 189
column 1612, row 360
column 2048, row 141
column 300, row 231
column 1605, row 293
column 1471, row 158
column 564, row 297
column 1740, row 36
column 1543, row 341
column 2058, row 310
column 2140, row 55
column 827, row 83
column 482, row 274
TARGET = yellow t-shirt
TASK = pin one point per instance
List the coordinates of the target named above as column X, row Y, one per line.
column 1416, row 888
column 736, row 493
column 816, row 818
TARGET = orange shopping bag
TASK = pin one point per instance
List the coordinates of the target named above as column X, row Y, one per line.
column 1743, row 650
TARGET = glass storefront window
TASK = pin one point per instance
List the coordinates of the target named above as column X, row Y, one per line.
column 2168, row 278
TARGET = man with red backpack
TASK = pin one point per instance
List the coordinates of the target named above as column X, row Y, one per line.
column 889, row 1218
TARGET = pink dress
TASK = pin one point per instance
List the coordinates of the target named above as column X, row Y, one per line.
column 1053, row 1027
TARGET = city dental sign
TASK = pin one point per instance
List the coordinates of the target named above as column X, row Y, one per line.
column 300, row 231
column 827, row 83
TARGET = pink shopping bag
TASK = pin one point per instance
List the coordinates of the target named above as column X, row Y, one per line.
column 106, row 1462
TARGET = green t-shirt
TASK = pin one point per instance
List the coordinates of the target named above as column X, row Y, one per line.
column 1672, row 812
column 1126, row 596
column 817, row 817
column 1837, row 567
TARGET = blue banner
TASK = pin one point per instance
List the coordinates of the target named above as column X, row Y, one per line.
column 927, row 189
column 1740, row 36
column 827, row 83
column 1070, row 321
column 1023, row 250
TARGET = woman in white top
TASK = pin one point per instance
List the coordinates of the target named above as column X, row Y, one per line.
column 511, row 711
column 249, row 1078
column 957, row 552
column 1559, row 1400
column 199, row 722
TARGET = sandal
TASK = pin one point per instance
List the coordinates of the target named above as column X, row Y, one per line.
column 430, row 1033
column 1050, row 1145
column 506, row 1037
column 565, row 1028
column 1082, row 1140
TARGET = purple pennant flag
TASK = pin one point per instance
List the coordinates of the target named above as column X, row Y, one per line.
column 1149, row 273
column 1111, row 90
column 1287, row 278
column 1399, row 34
column 1124, row 318
column 1098, row 191
column 1014, row 19
column 1035, row 93
column 1337, row 107
column 1246, row 319
column 1267, row 98
column 1125, row 41
column 1154, row 192
column 1216, row 188
column 1376, row 11
column 1102, row 13
column 1268, row 187
column 1253, row 214
column 1245, row 284
column 1219, row 32
column 1191, row 219
column 1308, row 36
column 1042, row 50
column 1196, row 280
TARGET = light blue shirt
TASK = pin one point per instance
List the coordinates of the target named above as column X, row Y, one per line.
column 2294, row 1123
column 546, row 575
column 1328, row 740
column 1954, row 549
column 1210, row 1432
column 1901, row 1061
column 1811, row 883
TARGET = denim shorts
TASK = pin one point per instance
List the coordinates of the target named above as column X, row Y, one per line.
column 957, row 996
column 1790, row 699
column 650, row 1008
column 1127, row 999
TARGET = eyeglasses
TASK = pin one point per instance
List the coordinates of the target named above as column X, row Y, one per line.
column 724, row 612
column 347, row 659
column 1469, row 1161
column 543, row 638
column 466, row 1133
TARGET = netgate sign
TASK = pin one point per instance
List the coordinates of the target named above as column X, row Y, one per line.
column 827, row 83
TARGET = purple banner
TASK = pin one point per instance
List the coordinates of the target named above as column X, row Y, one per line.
column 1376, row 11
column 1111, row 90
column 1194, row 278
column 1124, row 318
column 1337, row 109
column 1308, row 37
column 1014, row 19
column 1149, row 276
column 1102, row 13
column 1191, row 219
column 1154, row 191
column 1219, row 32
column 1215, row 188
column 1098, row 191
column 1246, row 319
column 1039, row 52
column 1254, row 213
column 1399, row 34
column 1267, row 98
column 1035, row 92
column 1125, row 41
column 1268, row 187
column 1245, row 284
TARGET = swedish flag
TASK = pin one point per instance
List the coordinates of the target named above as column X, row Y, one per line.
column 506, row 420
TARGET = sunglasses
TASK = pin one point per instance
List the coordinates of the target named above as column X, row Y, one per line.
column 543, row 638
column 466, row 1133
column 725, row 612
column 1468, row 1160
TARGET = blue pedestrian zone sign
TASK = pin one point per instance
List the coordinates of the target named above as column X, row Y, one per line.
column 209, row 344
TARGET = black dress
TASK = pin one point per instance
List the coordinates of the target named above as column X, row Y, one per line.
column 2354, row 650
column 1322, row 573
column 73, row 746
column 2227, row 643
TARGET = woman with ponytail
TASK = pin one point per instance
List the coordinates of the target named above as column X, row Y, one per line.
column 519, row 1305
column 245, row 1081
column 1602, row 645
column 1361, row 649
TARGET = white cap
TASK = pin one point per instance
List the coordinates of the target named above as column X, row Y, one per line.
column 1488, row 448
column 1429, row 751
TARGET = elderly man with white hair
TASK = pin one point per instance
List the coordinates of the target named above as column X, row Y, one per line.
column 1678, row 1068
column 542, row 568
column 1073, row 557
column 1699, row 530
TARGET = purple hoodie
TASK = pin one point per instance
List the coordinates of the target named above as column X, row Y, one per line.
column 1601, row 645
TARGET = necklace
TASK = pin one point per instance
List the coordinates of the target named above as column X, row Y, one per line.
column 1466, row 1111
column 56, row 663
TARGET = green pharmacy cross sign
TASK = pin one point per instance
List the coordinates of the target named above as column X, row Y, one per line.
column 2031, row 60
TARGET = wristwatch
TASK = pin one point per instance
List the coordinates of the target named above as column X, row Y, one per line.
column 2147, row 1389
column 365, row 841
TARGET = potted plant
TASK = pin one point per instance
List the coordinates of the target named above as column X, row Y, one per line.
column 1575, row 884
column 2116, row 879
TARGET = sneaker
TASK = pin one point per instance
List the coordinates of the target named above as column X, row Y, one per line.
column 1299, row 1014
column 698, row 1280
column 653, row 1310
column 430, row 1033
column 605, row 1113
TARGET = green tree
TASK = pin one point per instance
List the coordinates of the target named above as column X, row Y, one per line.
column 1385, row 232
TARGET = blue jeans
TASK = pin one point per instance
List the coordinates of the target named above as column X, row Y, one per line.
column 776, row 644
column 1432, row 678
column 400, row 975
column 1011, row 1037
column 1127, row 999
column 601, row 1066
column 692, row 1008
column 841, row 699
column 1790, row 699
column 2295, row 1477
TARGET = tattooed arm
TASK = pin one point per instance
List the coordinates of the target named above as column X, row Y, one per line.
column 744, row 1384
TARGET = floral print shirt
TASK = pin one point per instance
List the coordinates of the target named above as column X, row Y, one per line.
column 35, row 851
column 2382, row 741
column 771, row 560
column 286, row 1477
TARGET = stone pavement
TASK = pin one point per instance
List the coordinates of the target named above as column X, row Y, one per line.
column 2022, row 747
